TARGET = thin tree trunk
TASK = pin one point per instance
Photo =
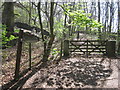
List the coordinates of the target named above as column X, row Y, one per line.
column 118, row 37
column 86, row 10
column 106, row 21
column 52, row 36
column 29, row 21
column 42, row 32
column 99, row 30
column 29, row 42
column 111, row 16
column 65, row 20
column 51, row 18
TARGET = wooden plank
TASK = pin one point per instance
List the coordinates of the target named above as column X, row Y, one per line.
column 88, row 41
column 88, row 51
column 89, row 48
column 87, row 45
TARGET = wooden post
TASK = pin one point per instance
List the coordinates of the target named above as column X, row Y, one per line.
column 87, row 49
column 118, row 49
column 29, row 55
column 18, row 56
column 61, row 52
column 78, row 35
column 66, row 48
column 110, row 48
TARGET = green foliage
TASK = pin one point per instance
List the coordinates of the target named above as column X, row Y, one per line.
column 82, row 19
column 4, row 38
column 79, row 17
column 59, row 28
column 55, row 51
column 16, row 30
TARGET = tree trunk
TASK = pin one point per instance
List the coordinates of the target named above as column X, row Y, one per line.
column 106, row 21
column 118, row 37
column 65, row 20
column 49, row 46
column 99, row 30
column 42, row 32
column 30, row 11
column 111, row 16
column 29, row 42
column 52, row 36
column 8, row 17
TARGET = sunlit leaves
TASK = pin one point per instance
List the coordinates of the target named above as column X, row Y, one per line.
column 4, row 32
column 82, row 19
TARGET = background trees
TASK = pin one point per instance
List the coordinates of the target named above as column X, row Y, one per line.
column 62, row 20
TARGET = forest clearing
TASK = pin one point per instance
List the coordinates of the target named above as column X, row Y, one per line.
column 60, row 45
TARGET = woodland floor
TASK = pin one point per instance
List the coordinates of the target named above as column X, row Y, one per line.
column 9, row 57
column 77, row 72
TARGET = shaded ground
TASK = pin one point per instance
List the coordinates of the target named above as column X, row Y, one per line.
column 77, row 72
column 8, row 65
column 9, row 59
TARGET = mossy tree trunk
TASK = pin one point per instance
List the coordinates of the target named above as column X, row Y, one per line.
column 8, row 17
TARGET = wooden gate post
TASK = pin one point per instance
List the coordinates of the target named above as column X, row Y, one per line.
column 110, row 48
column 66, row 48
column 30, row 55
column 18, row 56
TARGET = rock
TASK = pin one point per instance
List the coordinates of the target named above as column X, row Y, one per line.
column 63, row 78
column 58, row 73
column 106, row 75
column 50, row 78
column 50, row 83
column 76, row 84
column 58, row 83
column 60, row 88
column 107, row 70
column 67, row 85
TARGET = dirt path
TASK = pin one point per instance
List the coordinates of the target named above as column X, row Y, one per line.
column 77, row 72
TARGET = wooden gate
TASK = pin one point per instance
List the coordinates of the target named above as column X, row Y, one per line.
column 90, row 46
column 87, row 46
